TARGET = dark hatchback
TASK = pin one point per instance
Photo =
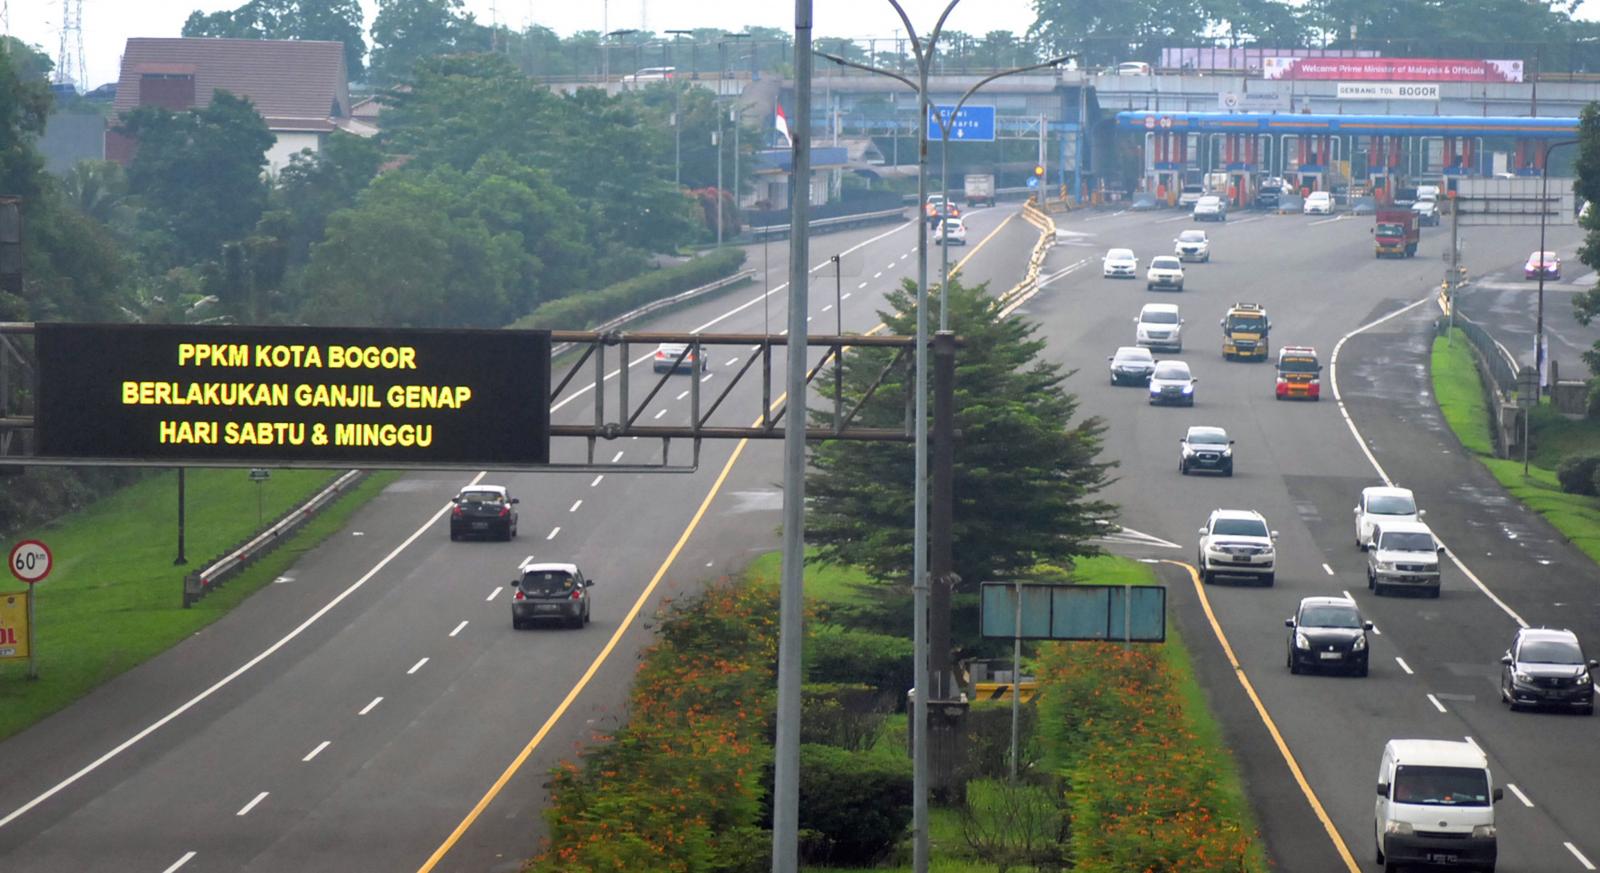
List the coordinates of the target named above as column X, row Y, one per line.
column 1205, row 448
column 1327, row 632
column 550, row 592
column 483, row 510
column 1546, row 667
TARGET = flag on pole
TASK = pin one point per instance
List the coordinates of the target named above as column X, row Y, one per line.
column 782, row 125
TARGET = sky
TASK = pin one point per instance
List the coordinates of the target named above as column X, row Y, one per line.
column 107, row 24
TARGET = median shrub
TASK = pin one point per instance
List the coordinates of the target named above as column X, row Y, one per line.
column 584, row 310
column 838, row 654
column 854, row 806
column 1577, row 474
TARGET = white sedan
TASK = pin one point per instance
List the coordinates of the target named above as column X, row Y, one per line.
column 1120, row 264
column 1319, row 203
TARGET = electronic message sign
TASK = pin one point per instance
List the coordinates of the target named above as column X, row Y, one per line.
column 292, row 396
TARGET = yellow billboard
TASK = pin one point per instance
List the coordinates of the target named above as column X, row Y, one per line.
column 14, row 635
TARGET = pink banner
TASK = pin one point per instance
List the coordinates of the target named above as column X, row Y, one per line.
column 1392, row 69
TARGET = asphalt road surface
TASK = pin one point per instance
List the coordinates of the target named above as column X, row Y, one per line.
column 375, row 710
column 1506, row 304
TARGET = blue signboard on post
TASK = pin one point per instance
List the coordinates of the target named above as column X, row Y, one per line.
column 971, row 124
column 1112, row 613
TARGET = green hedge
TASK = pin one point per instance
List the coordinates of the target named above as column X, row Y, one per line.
column 586, row 309
column 854, row 806
column 1579, row 474
column 838, row 654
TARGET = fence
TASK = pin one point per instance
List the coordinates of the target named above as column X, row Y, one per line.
column 1498, row 364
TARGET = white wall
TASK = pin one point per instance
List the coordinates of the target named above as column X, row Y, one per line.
column 290, row 143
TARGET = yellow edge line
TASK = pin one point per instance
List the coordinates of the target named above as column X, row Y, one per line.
column 981, row 243
column 1272, row 727
column 594, row 667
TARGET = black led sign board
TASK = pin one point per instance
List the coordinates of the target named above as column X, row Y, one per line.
column 292, row 396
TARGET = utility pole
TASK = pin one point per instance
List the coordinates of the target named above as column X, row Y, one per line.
column 716, row 140
column 677, row 114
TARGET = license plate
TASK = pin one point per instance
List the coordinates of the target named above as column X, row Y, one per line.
column 1441, row 858
column 546, row 607
column 1331, row 656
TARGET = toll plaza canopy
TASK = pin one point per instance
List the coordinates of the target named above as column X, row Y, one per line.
column 1349, row 125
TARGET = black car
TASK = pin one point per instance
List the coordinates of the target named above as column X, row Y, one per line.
column 1205, row 448
column 483, row 510
column 1546, row 667
column 550, row 592
column 1327, row 632
column 1267, row 197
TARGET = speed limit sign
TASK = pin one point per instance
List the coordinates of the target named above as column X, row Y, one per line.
column 30, row 561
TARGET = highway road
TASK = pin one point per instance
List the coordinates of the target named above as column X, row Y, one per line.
column 1435, row 663
column 375, row 710
column 1506, row 304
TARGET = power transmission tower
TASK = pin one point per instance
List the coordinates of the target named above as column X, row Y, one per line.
column 69, row 56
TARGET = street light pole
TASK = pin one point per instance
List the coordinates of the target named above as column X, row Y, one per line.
column 677, row 114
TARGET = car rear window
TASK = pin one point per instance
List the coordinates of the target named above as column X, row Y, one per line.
column 1392, row 504
column 481, row 497
column 547, row 582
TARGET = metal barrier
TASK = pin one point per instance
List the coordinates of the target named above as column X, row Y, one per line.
column 663, row 303
column 1501, row 367
column 826, row 224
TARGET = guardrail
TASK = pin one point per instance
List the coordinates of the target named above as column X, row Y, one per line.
column 823, row 225
column 663, row 303
column 1019, row 293
column 201, row 582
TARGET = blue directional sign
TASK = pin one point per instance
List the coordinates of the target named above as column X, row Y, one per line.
column 971, row 124
column 1033, row 181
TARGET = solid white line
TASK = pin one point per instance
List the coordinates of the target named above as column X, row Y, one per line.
column 252, row 804
column 179, row 863
column 374, row 704
column 553, row 532
column 1329, row 570
column 1436, row 704
column 575, row 506
column 617, row 457
column 493, row 593
column 683, row 395
column 1579, row 855
column 1520, row 796
column 417, row 666
column 239, row 671
column 318, row 750
column 1333, row 376
column 597, row 480
column 463, row 624
column 1404, row 666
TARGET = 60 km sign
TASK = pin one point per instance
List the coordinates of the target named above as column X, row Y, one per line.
column 30, row 561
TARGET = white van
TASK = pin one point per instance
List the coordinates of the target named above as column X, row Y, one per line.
column 1435, row 805
column 1158, row 326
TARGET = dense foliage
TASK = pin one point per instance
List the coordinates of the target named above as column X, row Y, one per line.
column 1586, row 305
column 332, row 20
column 587, row 311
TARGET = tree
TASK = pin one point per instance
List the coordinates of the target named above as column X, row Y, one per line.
column 334, row 20
column 406, row 31
column 1026, row 475
column 24, row 106
column 314, row 185
column 1105, row 31
column 198, row 172
column 1586, row 306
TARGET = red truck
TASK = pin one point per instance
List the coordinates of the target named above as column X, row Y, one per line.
column 1396, row 233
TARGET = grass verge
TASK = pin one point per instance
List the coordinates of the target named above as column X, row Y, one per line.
column 114, row 598
column 1459, row 391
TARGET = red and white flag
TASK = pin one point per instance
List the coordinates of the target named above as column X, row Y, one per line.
column 782, row 124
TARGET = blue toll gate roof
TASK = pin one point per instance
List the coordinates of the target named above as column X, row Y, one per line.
column 1350, row 125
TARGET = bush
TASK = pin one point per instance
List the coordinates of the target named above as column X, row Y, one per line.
column 1015, row 824
column 844, row 716
column 584, row 310
column 837, row 654
column 988, row 739
column 854, row 806
column 1577, row 474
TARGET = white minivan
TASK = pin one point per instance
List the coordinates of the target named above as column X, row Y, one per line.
column 1435, row 805
column 1158, row 326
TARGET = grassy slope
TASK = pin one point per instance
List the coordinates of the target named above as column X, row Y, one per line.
column 114, row 598
column 1459, row 391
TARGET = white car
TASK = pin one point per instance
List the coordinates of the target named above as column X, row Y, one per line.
column 1192, row 245
column 1120, row 264
column 1158, row 326
column 1383, row 504
column 953, row 232
column 1404, row 554
column 649, row 74
column 1427, row 192
column 1165, row 271
column 1210, row 208
column 678, row 357
column 1318, row 203
column 1189, row 195
column 1237, row 542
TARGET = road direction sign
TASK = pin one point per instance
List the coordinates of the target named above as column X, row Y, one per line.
column 30, row 561
column 260, row 474
column 1033, row 181
column 971, row 124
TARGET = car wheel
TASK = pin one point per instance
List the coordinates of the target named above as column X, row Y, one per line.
column 1377, row 847
column 1362, row 670
column 1268, row 579
column 454, row 536
column 576, row 622
column 1190, row 403
column 1434, row 593
column 1183, row 469
column 1228, row 471
column 1372, row 582
column 1293, row 667
column 1587, row 710
column 516, row 623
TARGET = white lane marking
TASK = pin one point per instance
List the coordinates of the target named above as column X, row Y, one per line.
column 462, row 625
column 846, row 295
column 862, row 285
column 808, row 319
column 902, row 257
column 661, row 413
column 683, row 394
column 827, row 308
column 1179, row 218
column 575, row 506
column 252, row 804
column 1436, row 704
column 553, row 532
column 1404, row 666
column 730, row 362
column 179, row 863
column 1347, row 596
column 890, row 265
column 1130, row 536
column 1338, row 397
column 282, row 579
column 878, row 275
column 1377, row 631
column 1325, row 221
column 1579, row 855
column 417, row 666
column 1474, row 743
column 1520, row 796
column 597, row 480
column 318, row 750
column 493, row 593
column 376, row 700
column 1329, row 570
column 1059, row 274
column 616, row 457
column 706, row 378
column 218, row 685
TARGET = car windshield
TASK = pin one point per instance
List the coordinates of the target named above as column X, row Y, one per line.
column 1159, row 317
column 1119, row 255
column 1550, row 652
column 1133, row 356
column 1422, row 206
column 1240, row 527
column 1390, row 229
column 1329, row 616
column 1208, row 437
column 1210, row 201
column 1192, row 236
column 1194, row 189
column 1538, row 257
column 1409, row 541
column 547, row 582
column 1391, row 504
column 1247, row 322
column 481, row 497
column 1172, row 370
column 1298, row 364
column 1166, row 264
column 1441, row 786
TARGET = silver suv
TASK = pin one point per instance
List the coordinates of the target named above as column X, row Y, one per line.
column 1237, row 542
column 1403, row 554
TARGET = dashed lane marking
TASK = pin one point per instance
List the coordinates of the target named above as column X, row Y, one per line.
column 1404, row 666
column 1436, row 704
column 493, row 593
column 1520, row 796
column 1579, row 855
column 417, row 666
column 1329, row 570
column 462, row 625
column 553, row 532
column 187, row 857
column 245, row 810
column 317, row 751
column 375, row 701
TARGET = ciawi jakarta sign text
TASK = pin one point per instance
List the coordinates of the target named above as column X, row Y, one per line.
column 292, row 395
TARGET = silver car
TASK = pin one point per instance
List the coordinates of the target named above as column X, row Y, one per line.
column 549, row 592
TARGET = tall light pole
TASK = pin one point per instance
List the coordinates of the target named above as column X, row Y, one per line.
column 1538, row 330
column 605, row 50
column 677, row 113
